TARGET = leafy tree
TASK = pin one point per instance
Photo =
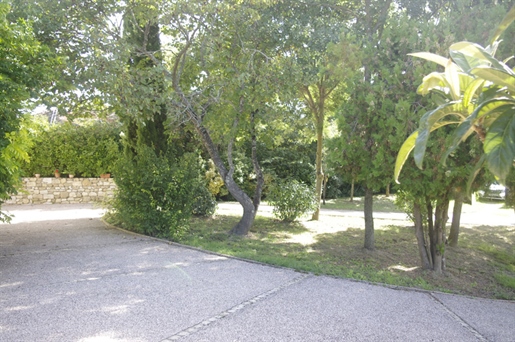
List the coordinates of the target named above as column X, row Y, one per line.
column 320, row 61
column 473, row 104
column 25, row 70
column 458, row 93
column 375, row 112
column 82, row 34
column 223, row 73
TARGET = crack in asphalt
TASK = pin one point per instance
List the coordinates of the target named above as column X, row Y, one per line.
column 458, row 319
column 213, row 319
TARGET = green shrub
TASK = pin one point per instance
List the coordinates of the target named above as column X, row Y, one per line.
column 291, row 199
column 204, row 203
column 86, row 150
column 154, row 195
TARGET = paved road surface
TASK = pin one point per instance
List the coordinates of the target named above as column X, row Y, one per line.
column 65, row 276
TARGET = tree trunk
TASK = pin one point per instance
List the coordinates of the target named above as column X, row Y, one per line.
column 430, row 229
column 249, row 214
column 324, row 191
column 388, row 190
column 352, row 190
column 456, row 217
column 318, row 167
column 249, row 210
column 441, row 217
column 369, row 219
column 260, row 179
column 421, row 241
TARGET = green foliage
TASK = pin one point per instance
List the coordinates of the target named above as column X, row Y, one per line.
column 290, row 161
column 86, row 150
column 155, row 193
column 291, row 199
column 25, row 69
column 479, row 97
column 204, row 203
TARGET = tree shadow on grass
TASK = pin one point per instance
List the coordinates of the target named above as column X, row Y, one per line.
column 393, row 245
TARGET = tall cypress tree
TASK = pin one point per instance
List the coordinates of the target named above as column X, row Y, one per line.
column 149, row 127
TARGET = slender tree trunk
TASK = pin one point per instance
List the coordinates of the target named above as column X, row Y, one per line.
column 369, row 219
column 352, row 190
column 430, row 229
column 509, row 200
column 421, row 241
column 260, row 179
column 318, row 167
column 456, row 217
column 388, row 190
column 324, row 191
column 441, row 217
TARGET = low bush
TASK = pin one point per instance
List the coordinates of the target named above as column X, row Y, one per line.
column 157, row 195
column 291, row 199
column 204, row 203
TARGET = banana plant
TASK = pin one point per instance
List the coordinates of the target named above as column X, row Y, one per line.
column 479, row 93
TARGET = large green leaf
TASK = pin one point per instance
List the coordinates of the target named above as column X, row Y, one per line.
column 403, row 154
column 508, row 19
column 466, row 62
column 431, row 57
column 408, row 146
column 469, row 91
column 490, row 107
column 496, row 76
column 499, row 144
column 432, row 81
column 478, row 53
column 427, row 123
column 464, row 130
column 453, row 79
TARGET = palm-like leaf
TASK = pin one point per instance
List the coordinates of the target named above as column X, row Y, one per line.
column 499, row 145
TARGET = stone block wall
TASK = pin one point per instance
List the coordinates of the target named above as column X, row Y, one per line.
column 64, row 190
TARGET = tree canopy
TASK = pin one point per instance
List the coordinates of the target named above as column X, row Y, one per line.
column 26, row 69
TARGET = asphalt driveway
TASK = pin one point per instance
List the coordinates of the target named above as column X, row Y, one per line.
column 66, row 276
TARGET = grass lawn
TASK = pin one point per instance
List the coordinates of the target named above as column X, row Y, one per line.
column 482, row 265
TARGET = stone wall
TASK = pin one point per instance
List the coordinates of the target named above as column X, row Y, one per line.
column 64, row 190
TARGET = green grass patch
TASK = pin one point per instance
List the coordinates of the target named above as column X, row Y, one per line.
column 269, row 243
column 499, row 255
column 506, row 280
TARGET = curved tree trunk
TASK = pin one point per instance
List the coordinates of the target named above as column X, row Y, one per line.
column 249, row 214
column 456, row 217
column 249, row 210
column 369, row 219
